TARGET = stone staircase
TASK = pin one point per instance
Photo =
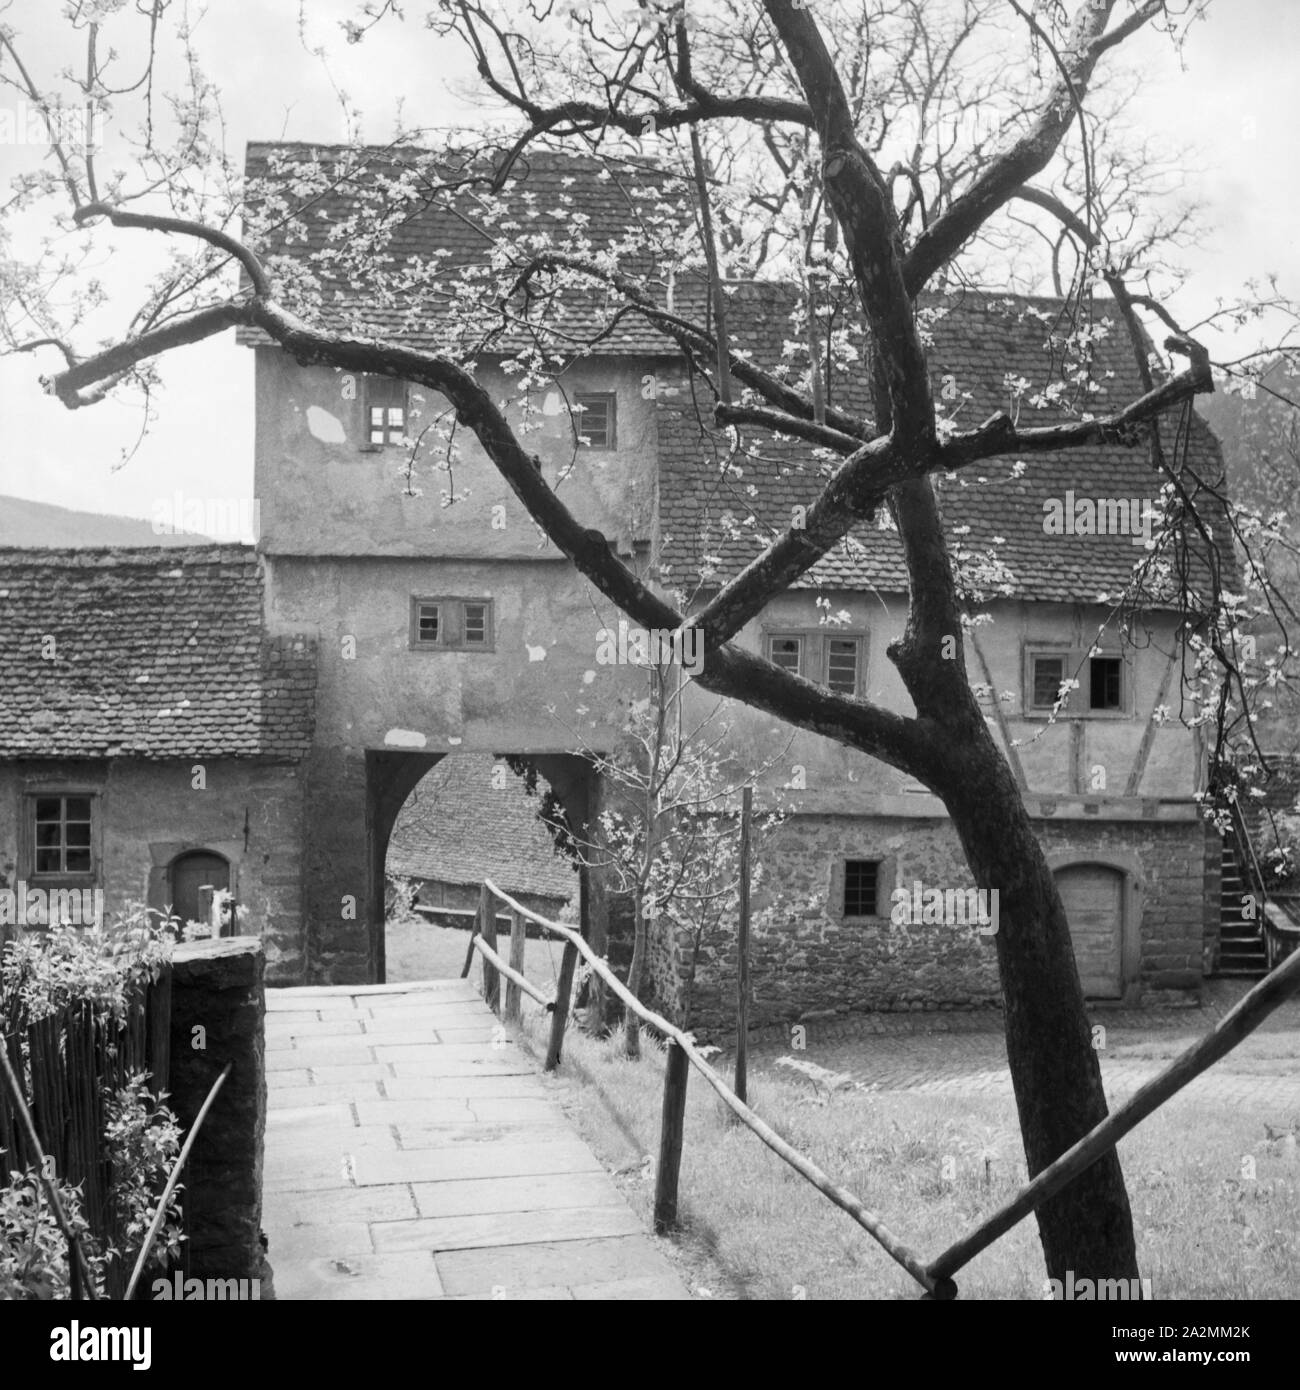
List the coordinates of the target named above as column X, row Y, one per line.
column 1241, row 941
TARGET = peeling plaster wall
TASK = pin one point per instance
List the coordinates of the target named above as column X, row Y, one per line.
column 376, row 694
column 323, row 490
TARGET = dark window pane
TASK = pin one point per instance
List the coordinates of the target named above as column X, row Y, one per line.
column 842, row 665
column 786, row 653
column 78, row 861
column 49, row 808
column 476, row 622
column 860, row 887
column 1049, row 672
column 78, row 807
column 48, row 836
column 48, row 861
column 77, row 834
column 1106, row 684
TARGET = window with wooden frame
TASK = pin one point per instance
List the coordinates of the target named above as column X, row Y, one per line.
column 594, row 418
column 386, row 408
column 451, row 624
column 836, row 660
column 59, row 831
column 1104, row 682
column 861, row 888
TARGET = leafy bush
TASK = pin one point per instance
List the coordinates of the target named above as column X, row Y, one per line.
column 41, row 972
column 143, row 1139
column 33, row 1252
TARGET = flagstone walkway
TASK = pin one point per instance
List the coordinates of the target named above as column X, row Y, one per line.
column 413, row 1152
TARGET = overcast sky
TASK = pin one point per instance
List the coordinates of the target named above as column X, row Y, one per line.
column 1238, row 103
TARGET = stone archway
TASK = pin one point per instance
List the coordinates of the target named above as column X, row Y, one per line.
column 391, row 776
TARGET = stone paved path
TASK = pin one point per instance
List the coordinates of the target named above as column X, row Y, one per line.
column 412, row 1154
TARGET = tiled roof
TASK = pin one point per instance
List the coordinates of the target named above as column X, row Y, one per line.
column 459, row 828
column 704, row 503
column 711, row 518
column 325, row 201
column 147, row 653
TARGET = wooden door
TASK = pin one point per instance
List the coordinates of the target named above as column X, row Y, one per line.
column 1094, row 904
column 189, row 873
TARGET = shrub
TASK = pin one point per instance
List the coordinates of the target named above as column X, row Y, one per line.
column 93, row 982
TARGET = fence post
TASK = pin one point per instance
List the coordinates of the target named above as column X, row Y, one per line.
column 560, row 1017
column 742, row 950
column 672, row 1127
column 517, row 938
column 487, row 929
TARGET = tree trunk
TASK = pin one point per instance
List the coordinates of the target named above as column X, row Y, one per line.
column 1055, row 1073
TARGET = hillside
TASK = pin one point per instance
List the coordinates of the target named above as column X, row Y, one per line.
column 42, row 525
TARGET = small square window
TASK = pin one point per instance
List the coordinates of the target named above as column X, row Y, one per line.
column 386, row 410
column 61, row 840
column 787, row 653
column 1101, row 681
column 1106, row 683
column 842, row 656
column 451, row 624
column 594, row 418
column 861, row 879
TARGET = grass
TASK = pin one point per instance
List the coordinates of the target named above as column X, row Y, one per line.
column 931, row 1166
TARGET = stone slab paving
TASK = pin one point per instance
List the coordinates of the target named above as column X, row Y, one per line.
column 413, row 1152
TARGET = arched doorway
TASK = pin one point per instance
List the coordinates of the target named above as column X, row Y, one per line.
column 188, row 873
column 1093, row 895
column 392, row 776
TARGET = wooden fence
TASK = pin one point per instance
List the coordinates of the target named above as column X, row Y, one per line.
column 935, row 1276
column 65, row 1064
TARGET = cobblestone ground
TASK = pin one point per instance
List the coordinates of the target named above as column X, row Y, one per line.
column 964, row 1053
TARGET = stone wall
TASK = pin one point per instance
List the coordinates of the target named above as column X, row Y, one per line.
column 218, row 1008
column 809, row 962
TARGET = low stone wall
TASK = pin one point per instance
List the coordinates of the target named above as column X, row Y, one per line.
column 218, row 1011
column 811, row 963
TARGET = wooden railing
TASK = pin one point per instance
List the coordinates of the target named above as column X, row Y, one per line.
column 936, row 1276
column 1276, row 925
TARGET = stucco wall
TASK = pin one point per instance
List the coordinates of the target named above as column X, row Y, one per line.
column 1063, row 758
column 149, row 812
column 323, row 490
